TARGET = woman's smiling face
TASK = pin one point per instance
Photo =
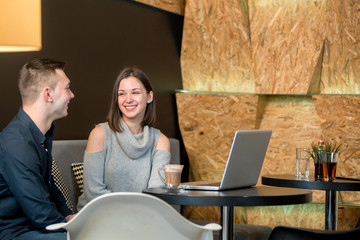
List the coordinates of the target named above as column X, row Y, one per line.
column 133, row 98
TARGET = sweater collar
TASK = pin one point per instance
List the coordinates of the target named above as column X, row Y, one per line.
column 134, row 145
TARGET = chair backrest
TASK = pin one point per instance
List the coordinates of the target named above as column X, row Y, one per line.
column 132, row 216
column 289, row 233
column 66, row 152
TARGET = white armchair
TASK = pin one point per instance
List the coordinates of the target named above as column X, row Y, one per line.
column 132, row 216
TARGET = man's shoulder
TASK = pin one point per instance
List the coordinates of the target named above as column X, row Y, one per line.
column 14, row 134
column 14, row 128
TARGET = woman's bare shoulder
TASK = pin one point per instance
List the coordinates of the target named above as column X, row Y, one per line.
column 96, row 139
column 163, row 143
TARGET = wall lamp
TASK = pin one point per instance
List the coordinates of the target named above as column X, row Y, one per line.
column 20, row 25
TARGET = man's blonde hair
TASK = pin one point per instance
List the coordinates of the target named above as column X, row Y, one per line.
column 35, row 75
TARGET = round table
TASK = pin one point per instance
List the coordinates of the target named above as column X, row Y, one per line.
column 331, row 188
column 252, row 196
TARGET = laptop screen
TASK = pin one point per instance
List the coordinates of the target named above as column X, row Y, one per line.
column 244, row 163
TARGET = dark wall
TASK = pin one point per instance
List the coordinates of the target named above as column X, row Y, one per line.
column 97, row 38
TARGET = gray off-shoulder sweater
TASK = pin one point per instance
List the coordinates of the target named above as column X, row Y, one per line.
column 127, row 163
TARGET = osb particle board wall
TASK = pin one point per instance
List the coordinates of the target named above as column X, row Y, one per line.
column 208, row 122
column 174, row 6
column 271, row 47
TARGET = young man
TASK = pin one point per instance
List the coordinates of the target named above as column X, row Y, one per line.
column 29, row 199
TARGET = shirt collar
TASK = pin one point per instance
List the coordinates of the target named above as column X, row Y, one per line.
column 39, row 136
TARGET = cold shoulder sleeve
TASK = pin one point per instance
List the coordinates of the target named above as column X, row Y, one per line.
column 160, row 158
column 94, row 185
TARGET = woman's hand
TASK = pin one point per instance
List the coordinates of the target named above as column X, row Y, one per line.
column 69, row 217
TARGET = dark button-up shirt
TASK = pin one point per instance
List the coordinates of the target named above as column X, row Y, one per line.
column 29, row 199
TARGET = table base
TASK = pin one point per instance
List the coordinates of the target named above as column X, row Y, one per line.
column 227, row 222
column 331, row 210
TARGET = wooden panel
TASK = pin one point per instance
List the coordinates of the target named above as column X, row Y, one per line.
column 341, row 67
column 262, row 46
column 309, row 215
column 300, row 215
column 348, row 217
column 295, row 123
column 287, row 39
column 207, row 124
column 277, row 47
column 216, row 51
column 341, row 123
column 174, row 6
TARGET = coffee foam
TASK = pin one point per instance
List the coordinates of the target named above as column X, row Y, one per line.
column 172, row 170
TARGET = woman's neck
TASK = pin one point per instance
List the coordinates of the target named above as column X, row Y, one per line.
column 134, row 126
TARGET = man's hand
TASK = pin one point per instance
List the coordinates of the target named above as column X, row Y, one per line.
column 69, row 217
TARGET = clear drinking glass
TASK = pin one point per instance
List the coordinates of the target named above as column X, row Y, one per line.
column 329, row 167
column 302, row 163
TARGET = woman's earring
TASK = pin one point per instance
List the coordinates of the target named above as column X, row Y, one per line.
column 149, row 101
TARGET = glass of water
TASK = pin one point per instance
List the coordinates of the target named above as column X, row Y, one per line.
column 302, row 163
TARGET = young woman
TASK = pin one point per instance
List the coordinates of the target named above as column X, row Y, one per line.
column 124, row 153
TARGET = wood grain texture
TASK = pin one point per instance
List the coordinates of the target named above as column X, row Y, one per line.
column 341, row 123
column 271, row 47
column 262, row 46
column 286, row 39
column 295, row 123
column 174, row 6
column 216, row 51
column 280, row 47
column 341, row 64
column 310, row 215
column 208, row 122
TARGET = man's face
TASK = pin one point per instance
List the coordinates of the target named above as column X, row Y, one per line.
column 61, row 95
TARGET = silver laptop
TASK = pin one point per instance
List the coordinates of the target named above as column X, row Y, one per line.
column 244, row 163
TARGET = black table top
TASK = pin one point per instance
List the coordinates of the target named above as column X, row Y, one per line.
column 287, row 180
column 252, row 196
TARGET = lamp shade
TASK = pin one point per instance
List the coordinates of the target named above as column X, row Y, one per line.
column 20, row 25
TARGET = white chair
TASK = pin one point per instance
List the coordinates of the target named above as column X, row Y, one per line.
column 132, row 216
